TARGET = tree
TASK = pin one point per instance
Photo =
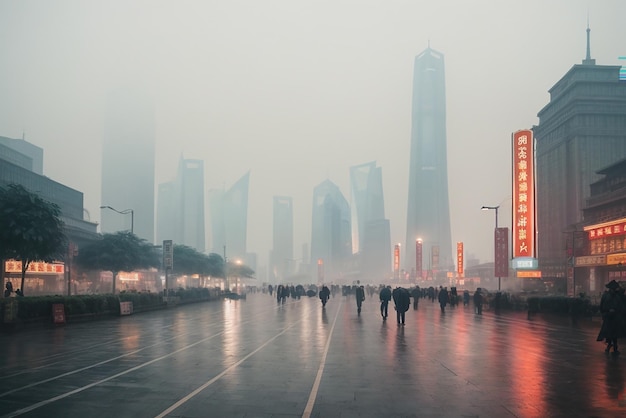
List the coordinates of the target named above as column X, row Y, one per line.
column 121, row 251
column 30, row 228
column 190, row 261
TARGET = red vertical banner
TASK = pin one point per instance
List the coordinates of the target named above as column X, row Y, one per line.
column 523, row 194
column 396, row 261
column 501, row 265
column 459, row 258
column 418, row 258
column 320, row 270
column 435, row 258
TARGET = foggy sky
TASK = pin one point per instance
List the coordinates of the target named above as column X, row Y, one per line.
column 296, row 91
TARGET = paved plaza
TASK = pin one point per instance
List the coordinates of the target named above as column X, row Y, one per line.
column 256, row 358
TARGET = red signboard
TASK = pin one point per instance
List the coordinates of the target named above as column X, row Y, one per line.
column 418, row 258
column 459, row 258
column 58, row 313
column 501, row 265
column 607, row 230
column 396, row 258
column 523, row 194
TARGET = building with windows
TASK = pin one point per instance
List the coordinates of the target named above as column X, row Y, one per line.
column 128, row 153
column 180, row 206
column 19, row 168
column 428, row 211
column 581, row 131
column 331, row 242
column 371, row 236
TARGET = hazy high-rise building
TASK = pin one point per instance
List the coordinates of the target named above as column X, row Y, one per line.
column 180, row 206
column 282, row 262
column 428, row 212
column 331, row 243
column 371, row 236
column 229, row 220
column 128, row 153
column 581, row 131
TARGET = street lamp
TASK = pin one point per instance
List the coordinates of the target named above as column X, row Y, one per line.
column 496, row 209
column 124, row 212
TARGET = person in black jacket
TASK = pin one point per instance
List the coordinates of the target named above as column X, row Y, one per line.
column 402, row 300
column 360, row 297
column 385, row 297
column 324, row 295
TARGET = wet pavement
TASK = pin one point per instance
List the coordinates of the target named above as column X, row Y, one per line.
column 257, row 358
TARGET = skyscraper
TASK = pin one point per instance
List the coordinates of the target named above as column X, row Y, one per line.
column 128, row 163
column 331, row 243
column 229, row 219
column 371, row 237
column 428, row 212
column 180, row 206
column 282, row 262
column 581, row 131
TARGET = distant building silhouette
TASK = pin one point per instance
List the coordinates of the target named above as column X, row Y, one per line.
column 229, row 220
column 428, row 212
column 180, row 206
column 128, row 153
column 282, row 261
column 371, row 236
column 581, row 131
column 331, row 243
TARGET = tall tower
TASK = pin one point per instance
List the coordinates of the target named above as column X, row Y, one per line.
column 371, row 237
column 128, row 163
column 428, row 213
column 331, row 244
column 180, row 206
column 229, row 220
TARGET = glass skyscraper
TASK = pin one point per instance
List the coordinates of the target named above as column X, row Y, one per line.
column 428, row 212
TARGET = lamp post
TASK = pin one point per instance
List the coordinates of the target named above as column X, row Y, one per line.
column 495, row 208
column 124, row 212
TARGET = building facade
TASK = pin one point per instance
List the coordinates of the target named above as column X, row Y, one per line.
column 42, row 278
column 128, row 154
column 581, row 130
column 331, row 242
column 428, row 211
column 180, row 206
column 371, row 236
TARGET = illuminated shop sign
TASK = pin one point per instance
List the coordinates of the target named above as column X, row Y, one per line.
column 606, row 230
column 523, row 194
column 14, row 266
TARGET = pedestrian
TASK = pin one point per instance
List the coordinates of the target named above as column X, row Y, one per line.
column 612, row 310
column 478, row 301
column 360, row 297
column 18, row 292
column 415, row 294
column 324, row 295
column 402, row 300
column 385, row 297
column 466, row 297
column 443, row 298
column 8, row 289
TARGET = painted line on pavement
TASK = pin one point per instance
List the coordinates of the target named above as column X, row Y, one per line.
column 313, row 395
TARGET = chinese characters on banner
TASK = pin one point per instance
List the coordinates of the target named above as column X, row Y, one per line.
column 14, row 266
column 608, row 229
column 459, row 258
column 501, row 239
column 523, row 194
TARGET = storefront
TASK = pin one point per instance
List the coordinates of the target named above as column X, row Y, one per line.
column 606, row 256
column 41, row 278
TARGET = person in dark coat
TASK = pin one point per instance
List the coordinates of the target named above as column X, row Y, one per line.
column 443, row 298
column 402, row 300
column 324, row 295
column 478, row 301
column 415, row 294
column 360, row 297
column 466, row 297
column 612, row 309
column 385, row 297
